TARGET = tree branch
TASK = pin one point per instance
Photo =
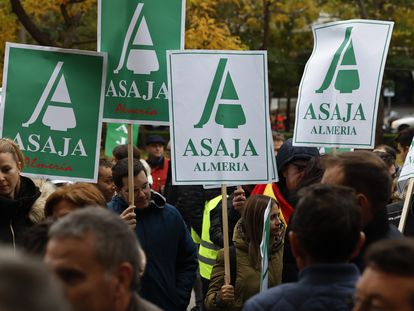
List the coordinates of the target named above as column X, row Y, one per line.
column 71, row 23
column 32, row 29
column 65, row 14
column 362, row 9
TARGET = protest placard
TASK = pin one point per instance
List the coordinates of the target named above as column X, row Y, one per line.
column 406, row 184
column 52, row 105
column 340, row 88
column 220, row 117
column 117, row 134
column 136, row 35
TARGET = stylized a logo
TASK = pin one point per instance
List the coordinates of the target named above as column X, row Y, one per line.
column 58, row 117
column 347, row 78
column 222, row 91
column 142, row 60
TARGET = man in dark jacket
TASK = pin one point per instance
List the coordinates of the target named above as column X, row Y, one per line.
column 368, row 175
column 171, row 254
column 326, row 233
column 292, row 163
column 96, row 258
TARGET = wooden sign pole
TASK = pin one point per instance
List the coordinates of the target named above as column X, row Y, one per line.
column 407, row 204
column 130, row 166
column 225, row 235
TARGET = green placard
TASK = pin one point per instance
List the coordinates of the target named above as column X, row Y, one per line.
column 136, row 34
column 52, row 108
column 117, row 134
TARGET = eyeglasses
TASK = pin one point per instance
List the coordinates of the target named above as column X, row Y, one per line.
column 143, row 189
column 368, row 305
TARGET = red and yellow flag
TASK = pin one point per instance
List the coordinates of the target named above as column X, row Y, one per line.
column 271, row 190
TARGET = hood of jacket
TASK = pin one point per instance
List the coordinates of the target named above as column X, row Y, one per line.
column 289, row 153
column 46, row 188
column 157, row 200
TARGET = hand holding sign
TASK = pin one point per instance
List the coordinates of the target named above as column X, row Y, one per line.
column 129, row 216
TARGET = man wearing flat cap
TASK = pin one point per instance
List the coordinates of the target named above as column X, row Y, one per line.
column 158, row 163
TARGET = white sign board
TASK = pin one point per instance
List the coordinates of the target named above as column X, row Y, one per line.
column 219, row 109
column 340, row 88
column 389, row 92
column 407, row 170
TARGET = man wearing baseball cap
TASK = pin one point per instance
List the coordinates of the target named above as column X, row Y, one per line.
column 158, row 163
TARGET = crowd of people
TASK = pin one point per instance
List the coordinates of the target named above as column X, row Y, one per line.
column 333, row 245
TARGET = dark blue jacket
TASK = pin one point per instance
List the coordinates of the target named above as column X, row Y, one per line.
column 171, row 254
column 327, row 287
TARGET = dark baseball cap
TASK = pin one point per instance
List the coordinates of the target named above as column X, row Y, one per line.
column 155, row 139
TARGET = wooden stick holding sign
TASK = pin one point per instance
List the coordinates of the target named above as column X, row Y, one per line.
column 225, row 235
column 131, row 196
column 407, row 204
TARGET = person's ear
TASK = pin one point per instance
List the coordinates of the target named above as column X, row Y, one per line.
column 121, row 193
column 123, row 279
column 20, row 166
column 297, row 250
column 359, row 245
column 366, row 209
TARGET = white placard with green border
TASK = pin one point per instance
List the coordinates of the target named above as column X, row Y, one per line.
column 341, row 85
column 219, row 116
column 136, row 34
column 407, row 170
column 52, row 108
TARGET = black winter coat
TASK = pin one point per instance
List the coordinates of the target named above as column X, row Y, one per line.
column 190, row 201
column 14, row 213
column 328, row 287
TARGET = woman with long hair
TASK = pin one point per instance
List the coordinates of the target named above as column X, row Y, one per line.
column 21, row 201
column 247, row 239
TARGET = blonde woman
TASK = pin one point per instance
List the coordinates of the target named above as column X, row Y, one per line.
column 21, row 201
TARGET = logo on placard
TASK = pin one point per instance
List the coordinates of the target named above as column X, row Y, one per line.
column 138, row 52
column 343, row 68
column 54, row 109
column 223, row 96
column 59, row 115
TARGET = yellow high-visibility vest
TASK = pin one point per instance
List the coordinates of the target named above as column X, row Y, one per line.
column 207, row 253
column 196, row 238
